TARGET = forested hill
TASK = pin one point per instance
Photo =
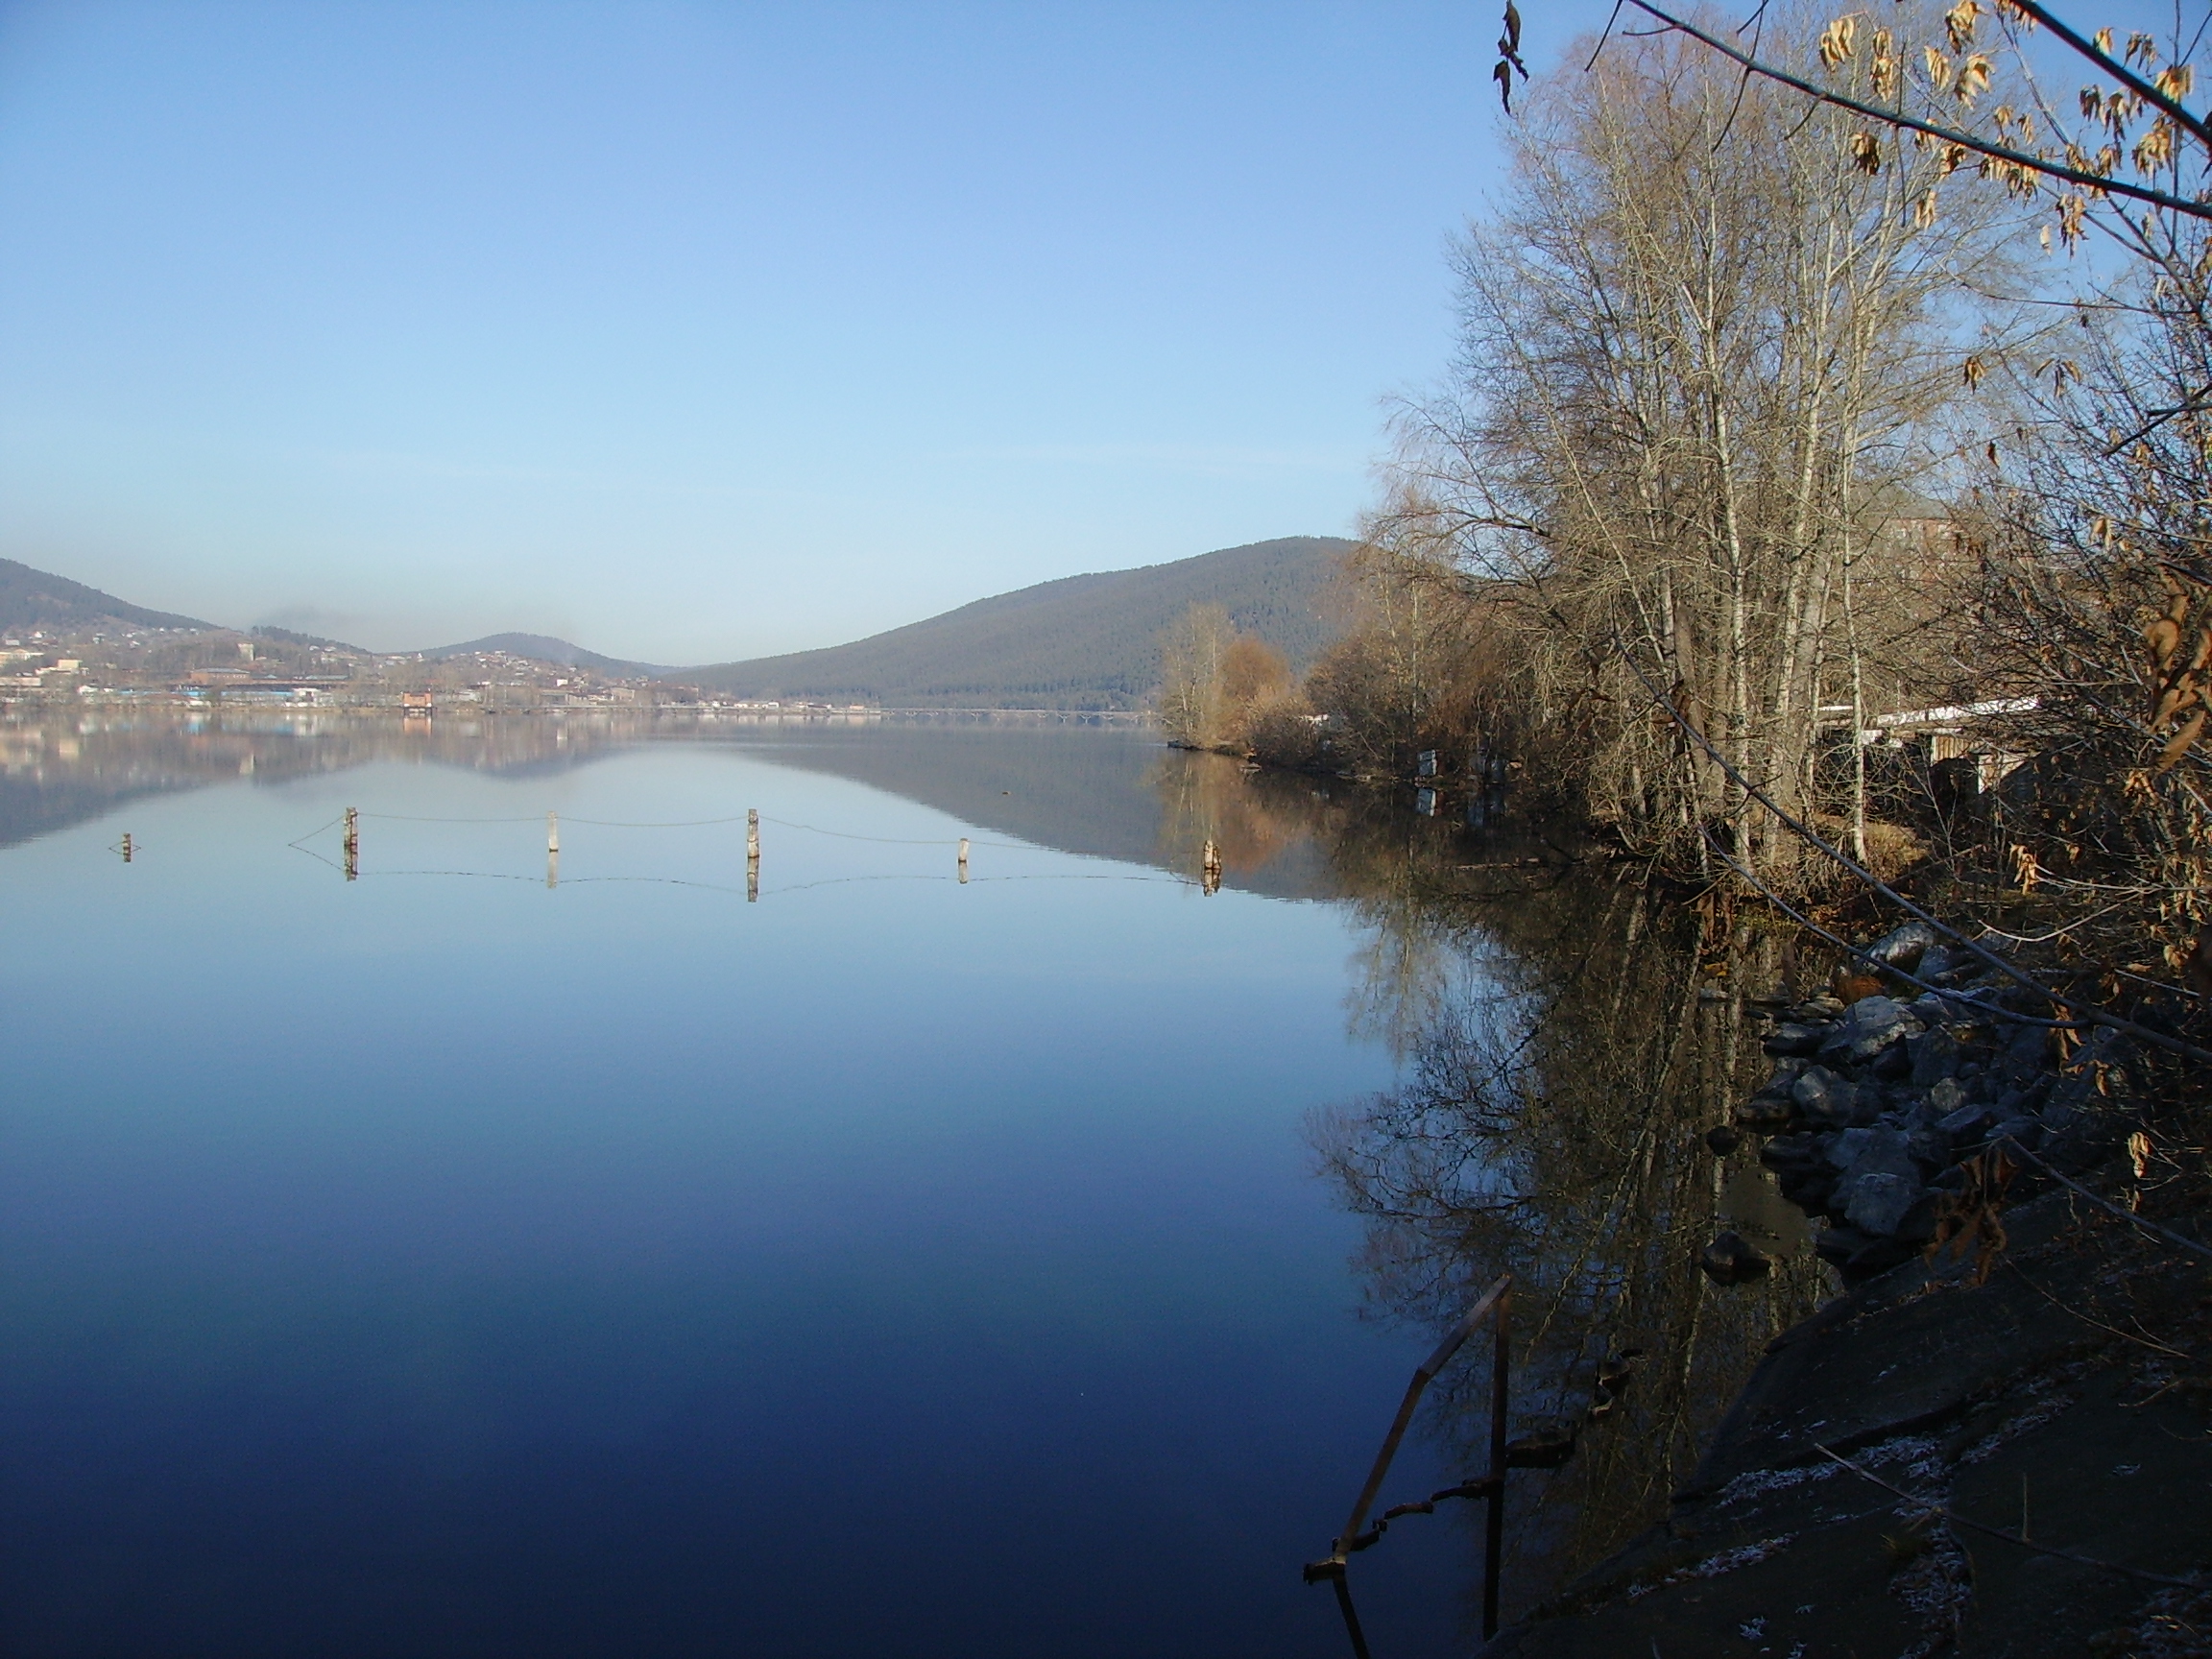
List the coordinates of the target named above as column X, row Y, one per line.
column 39, row 599
column 1080, row 642
column 544, row 648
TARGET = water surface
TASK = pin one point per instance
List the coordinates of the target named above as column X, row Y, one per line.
column 490, row 1257
column 449, row 1262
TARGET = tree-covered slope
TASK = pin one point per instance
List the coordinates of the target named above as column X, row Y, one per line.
column 1081, row 642
column 41, row 600
column 544, row 648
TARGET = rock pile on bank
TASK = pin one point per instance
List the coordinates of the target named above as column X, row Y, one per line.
column 1874, row 1107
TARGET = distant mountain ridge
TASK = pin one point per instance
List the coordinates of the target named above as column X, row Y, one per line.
column 38, row 599
column 1089, row 641
column 544, row 648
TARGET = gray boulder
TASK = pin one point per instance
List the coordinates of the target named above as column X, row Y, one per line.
column 1842, row 1150
column 1877, row 1201
column 1829, row 1101
column 1731, row 1259
column 1884, row 1150
column 1934, row 1053
column 1765, row 1114
column 1788, row 1037
column 1967, row 1123
column 2026, row 1052
column 1813, row 1010
column 1859, row 1255
column 1868, row 1027
column 1793, row 1151
column 1902, row 947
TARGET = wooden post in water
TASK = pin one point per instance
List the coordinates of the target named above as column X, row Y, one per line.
column 752, row 855
column 125, row 846
column 352, row 844
column 552, row 850
column 1494, row 1523
column 1210, row 869
column 963, row 860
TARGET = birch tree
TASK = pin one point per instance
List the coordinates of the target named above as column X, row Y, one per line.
column 1706, row 334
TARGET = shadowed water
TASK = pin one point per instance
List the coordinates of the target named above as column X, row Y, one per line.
column 447, row 1261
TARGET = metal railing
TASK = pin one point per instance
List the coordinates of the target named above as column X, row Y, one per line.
column 1496, row 1308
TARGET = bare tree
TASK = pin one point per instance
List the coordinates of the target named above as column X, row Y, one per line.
column 1190, row 658
column 1705, row 342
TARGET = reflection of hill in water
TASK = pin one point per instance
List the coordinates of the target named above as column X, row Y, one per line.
column 1567, row 1039
column 1106, row 792
column 58, row 772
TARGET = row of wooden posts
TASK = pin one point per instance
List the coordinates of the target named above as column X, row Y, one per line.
column 352, row 852
column 1209, row 862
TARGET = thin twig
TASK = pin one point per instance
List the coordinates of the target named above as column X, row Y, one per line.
column 2146, row 91
column 2088, row 1011
column 2134, row 1337
column 1935, row 129
column 1953, row 997
column 2014, row 1147
column 1956, row 1520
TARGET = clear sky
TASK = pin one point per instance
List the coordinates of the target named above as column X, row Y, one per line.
column 696, row 331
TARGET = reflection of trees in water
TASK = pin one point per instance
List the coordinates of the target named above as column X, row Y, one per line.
column 1562, row 1070
column 57, row 770
column 1288, row 833
column 1210, row 797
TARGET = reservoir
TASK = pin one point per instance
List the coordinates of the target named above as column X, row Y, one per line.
column 442, row 1262
column 494, row 1253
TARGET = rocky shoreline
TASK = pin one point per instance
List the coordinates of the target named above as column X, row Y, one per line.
column 1997, row 1441
column 1879, row 1110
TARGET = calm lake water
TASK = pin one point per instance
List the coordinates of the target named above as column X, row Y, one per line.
column 456, row 1262
column 448, row 1262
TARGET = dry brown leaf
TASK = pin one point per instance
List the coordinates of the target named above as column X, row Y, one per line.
column 2180, row 742
column 1839, row 40
column 1959, row 23
column 2162, row 638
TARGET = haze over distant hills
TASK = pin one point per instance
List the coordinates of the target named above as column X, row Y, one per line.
column 1081, row 642
column 38, row 599
column 544, row 648
column 1089, row 641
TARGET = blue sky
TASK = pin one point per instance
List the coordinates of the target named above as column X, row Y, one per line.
column 697, row 331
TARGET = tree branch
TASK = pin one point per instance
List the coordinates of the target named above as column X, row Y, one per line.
column 1949, row 135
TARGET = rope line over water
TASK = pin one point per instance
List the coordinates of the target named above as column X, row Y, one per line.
column 895, row 840
column 691, row 824
column 736, row 892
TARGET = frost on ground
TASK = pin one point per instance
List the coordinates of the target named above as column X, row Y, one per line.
column 1935, row 1584
column 2173, row 1625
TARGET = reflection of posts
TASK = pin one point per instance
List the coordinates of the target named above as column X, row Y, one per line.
column 1495, row 1310
column 752, row 855
column 125, row 846
column 552, row 850
column 352, row 844
column 963, row 860
column 1210, row 869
